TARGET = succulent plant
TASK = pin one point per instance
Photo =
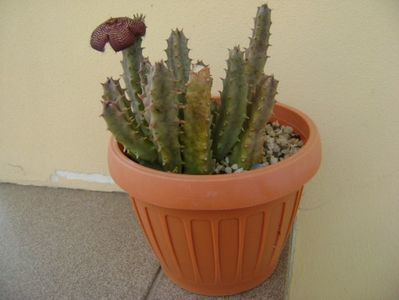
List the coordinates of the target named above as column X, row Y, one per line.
column 196, row 138
column 233, row 110
column 165, row 123
column 165, row 116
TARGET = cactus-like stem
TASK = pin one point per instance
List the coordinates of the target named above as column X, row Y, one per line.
column 178, row 61
column 128, row 133
column 112, row 89
column 146, row 73
column 197, row 122
column 132, row 59
column 114, row 92
column 120, row 118
column 256, row 53
column 250, row 149
column 164, row 118
column 215, row 108
column 232, row 113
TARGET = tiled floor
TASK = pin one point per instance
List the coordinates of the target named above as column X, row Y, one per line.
column 73, row 244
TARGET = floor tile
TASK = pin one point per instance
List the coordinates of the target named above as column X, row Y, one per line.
column 71, row 244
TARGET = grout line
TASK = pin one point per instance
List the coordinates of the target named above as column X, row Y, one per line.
column 290, row 263
column 153, row 284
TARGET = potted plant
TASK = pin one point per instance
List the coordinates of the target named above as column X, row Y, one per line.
column 214, row 182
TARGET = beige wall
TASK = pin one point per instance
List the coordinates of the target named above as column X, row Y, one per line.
column 336, row 60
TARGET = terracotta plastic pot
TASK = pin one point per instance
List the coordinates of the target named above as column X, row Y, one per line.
column 220, row 234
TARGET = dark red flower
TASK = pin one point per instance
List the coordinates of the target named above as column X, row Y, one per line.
column 120, row 32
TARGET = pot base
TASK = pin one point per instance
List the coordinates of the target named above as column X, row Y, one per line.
column 226, row 290
column 219, row 253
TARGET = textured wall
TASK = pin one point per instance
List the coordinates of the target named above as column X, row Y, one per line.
column 336, row 60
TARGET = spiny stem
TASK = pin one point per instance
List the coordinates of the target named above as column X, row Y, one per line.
column 233, row 105
column 250, row 149
column 164, row 118
column 132, row 59
column 196, row 138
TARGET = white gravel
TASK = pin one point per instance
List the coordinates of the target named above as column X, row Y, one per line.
column 281, row 143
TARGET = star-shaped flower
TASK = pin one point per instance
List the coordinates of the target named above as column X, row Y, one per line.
column 120, row 32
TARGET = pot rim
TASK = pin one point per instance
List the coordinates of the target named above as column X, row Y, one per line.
column 311, row 150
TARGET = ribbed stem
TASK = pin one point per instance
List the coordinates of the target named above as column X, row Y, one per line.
column 122, row 124
column 179, row 63
column 233, row 105
column 256, row 53
column 132, row 59
column 250, row 149
column 164, row 118
column 196, row 138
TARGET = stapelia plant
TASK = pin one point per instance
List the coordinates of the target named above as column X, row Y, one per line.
column 166, row 119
